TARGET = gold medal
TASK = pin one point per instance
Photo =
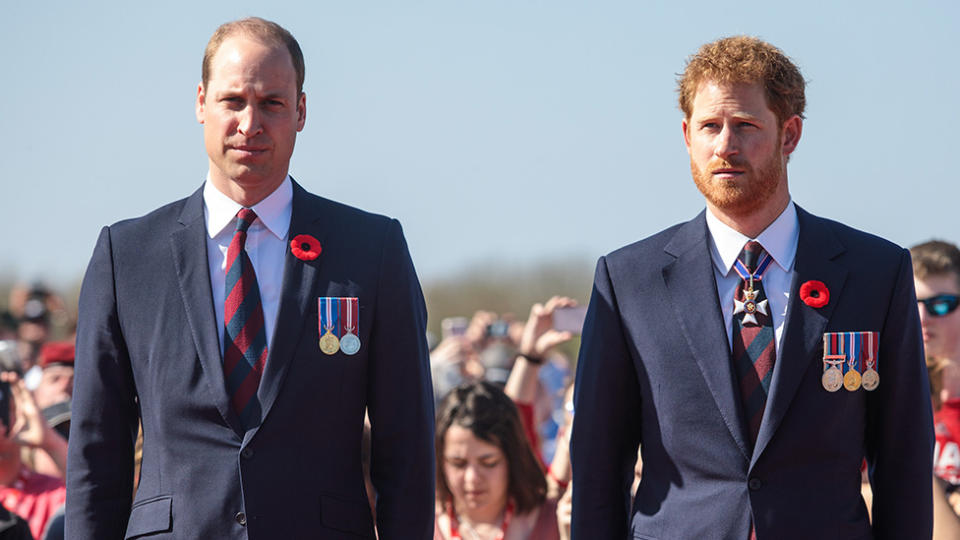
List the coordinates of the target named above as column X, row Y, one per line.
column 871, row 380
column 832, row 379
column 329, row 343
column 851, row 381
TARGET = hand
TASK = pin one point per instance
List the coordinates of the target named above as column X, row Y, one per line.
column 452, row 349
column 456, row 350
column 29, row 427
column 954, row 500
column 539, row 337
column 476, row 333
column 565, row 513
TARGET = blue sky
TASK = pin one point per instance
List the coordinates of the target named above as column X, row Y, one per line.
column 497, row 132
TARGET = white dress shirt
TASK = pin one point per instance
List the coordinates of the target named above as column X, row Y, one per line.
column 266, row 247
column 779, row 239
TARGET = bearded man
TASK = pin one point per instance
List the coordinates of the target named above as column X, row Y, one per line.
column 757, row 354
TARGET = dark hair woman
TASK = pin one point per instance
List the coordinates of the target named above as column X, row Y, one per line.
column 489, row 483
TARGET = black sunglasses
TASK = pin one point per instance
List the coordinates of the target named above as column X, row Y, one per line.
column 941, row 304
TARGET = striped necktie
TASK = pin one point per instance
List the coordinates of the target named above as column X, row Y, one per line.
column 754, row 350
column 244, row 337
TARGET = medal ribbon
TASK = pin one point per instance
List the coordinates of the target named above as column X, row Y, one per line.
column 350, row 310
column 335, row 323
column 832, row 344
column 329, row 315
column 321, row 310
column 853, row 359
column 455, row 523
column 871, row 350
column 745, row 274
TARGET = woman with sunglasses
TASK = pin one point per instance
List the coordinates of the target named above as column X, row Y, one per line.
column 490, row 484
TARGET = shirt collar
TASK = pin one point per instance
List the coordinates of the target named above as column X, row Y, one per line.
column 274, row 211
column 779, row 239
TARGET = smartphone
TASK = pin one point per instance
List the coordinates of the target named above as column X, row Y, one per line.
column 569, row 319
column 498, row 329
column 5, row 405
column 453, row 326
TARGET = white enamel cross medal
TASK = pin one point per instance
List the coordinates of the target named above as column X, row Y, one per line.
column 749, row 305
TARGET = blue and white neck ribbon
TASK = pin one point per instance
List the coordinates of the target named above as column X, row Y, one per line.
column 758, row 273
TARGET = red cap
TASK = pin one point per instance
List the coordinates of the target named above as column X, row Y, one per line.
column 61, row 352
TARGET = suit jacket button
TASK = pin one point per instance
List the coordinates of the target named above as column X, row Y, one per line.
column 246, row 453
column 755, row 484
column 241, row 518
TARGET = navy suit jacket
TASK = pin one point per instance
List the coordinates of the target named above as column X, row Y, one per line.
column 147, row 349
column 655, row 370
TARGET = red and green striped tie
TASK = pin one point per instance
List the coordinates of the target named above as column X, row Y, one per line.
column 754, row 351
column 244, row 337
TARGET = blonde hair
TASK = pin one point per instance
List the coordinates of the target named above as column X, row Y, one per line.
column 268, row 32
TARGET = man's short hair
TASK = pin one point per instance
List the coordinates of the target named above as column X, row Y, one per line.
column 936, row 258
column 267, row 32
column 745, row 59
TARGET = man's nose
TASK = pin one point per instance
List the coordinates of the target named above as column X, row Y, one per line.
column 726, row 143
column 249, row 124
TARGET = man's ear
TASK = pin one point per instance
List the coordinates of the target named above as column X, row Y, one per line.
column 790, row 134
column 686, row 133
column 301, row 111
column 199, row 105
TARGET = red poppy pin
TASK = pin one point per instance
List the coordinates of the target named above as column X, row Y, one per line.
column 305, row 247
column 814, row 294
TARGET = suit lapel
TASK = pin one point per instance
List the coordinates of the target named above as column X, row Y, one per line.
column 299, row 289
column 803, row 333
column 693, row 290
column 189, row 246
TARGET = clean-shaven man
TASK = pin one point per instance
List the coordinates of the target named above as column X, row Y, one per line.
column 248, row 328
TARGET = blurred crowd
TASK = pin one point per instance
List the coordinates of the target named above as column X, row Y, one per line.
column 36, row 385
column 503, row 387
column 504, row 410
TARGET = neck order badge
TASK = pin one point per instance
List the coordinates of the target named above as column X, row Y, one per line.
column 339, row 324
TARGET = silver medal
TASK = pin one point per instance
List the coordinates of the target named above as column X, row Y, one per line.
column 350, row 344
